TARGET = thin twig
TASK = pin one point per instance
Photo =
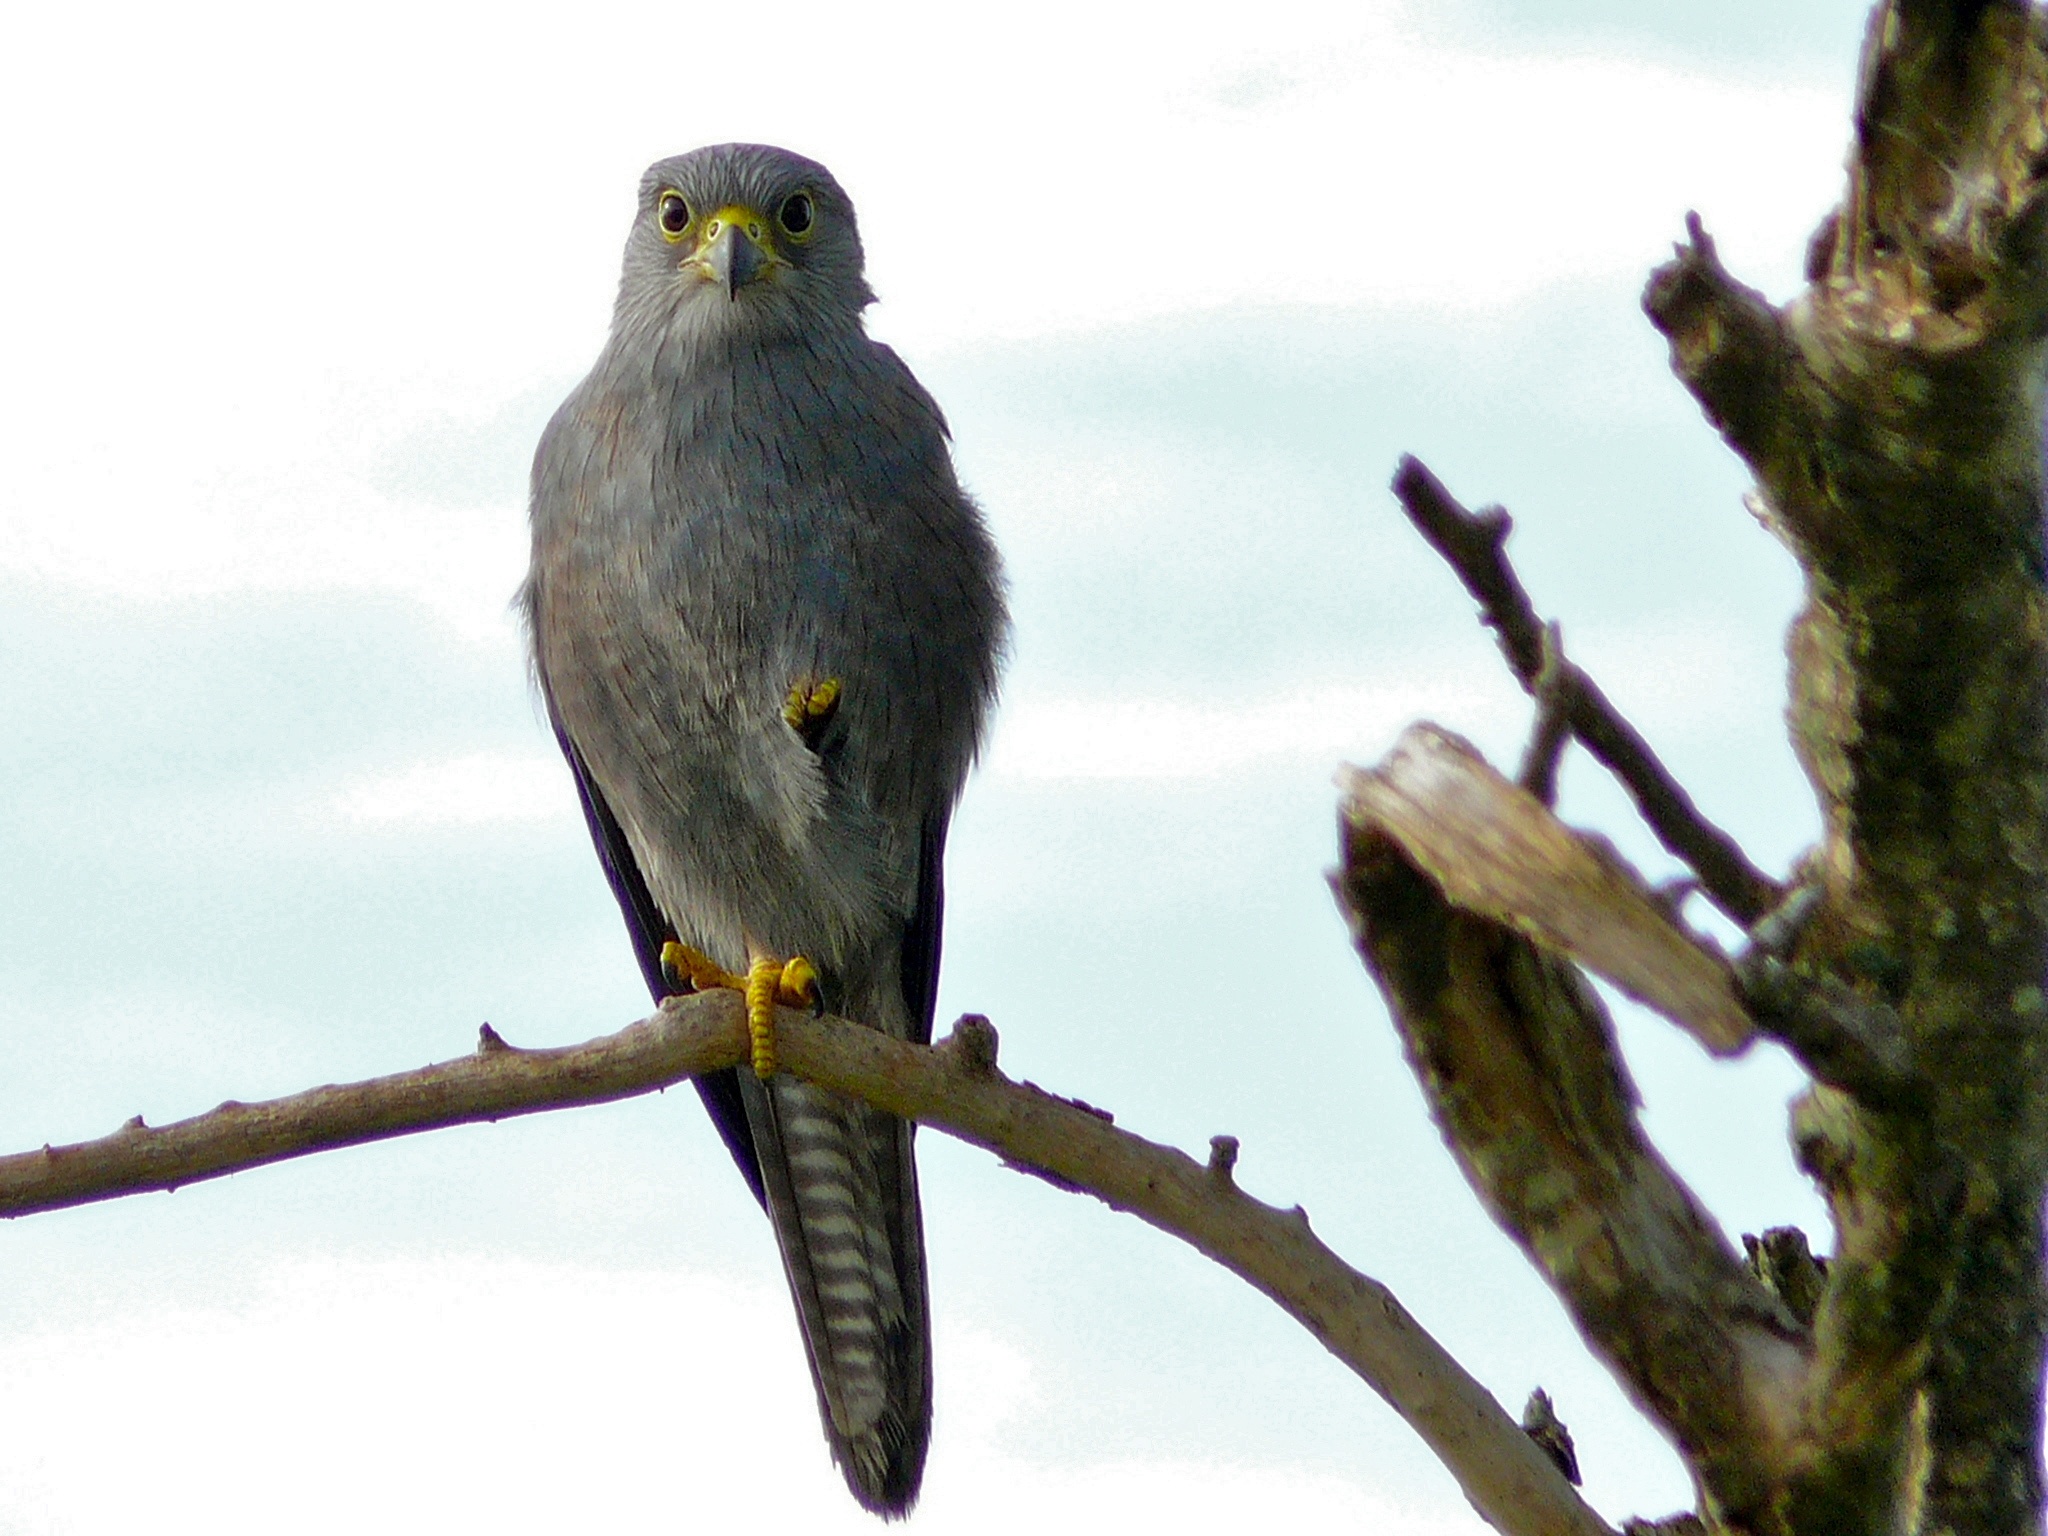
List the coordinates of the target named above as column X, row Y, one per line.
column 953, row 1086
column 1474, row 546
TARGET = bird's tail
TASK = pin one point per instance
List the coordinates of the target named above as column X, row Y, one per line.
column 841, row 1188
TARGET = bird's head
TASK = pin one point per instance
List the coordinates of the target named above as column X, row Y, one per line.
column 742, row 240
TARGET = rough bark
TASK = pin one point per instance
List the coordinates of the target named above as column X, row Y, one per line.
column 1892, row 417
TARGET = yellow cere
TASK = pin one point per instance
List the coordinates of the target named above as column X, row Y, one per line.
column 749, row 221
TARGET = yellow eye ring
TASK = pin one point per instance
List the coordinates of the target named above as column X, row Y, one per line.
column 672, row 213
column 798, row 215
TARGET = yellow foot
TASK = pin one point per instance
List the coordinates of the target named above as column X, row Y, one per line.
column 809, row 707
column 769, row 983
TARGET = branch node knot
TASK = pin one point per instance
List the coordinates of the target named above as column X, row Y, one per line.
column 1777, row 932
column 1541, row 1424
column 971, row 1047
column 1555, row 687
column 489, row 1042
column 1222, row 1158
column 1845, row 1039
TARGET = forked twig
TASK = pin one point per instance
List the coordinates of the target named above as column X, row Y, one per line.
column 1474, row 545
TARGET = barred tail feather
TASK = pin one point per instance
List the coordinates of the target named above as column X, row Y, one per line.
column 842, row 1193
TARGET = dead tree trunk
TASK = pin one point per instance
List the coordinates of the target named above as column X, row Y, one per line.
column 1892, row 417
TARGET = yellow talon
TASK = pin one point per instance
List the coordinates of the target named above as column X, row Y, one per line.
column 806, row 709
column 697, row 968
column 799, row 985
column 792, row 983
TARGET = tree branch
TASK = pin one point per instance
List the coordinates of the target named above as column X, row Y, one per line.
column 1518, row 1061
column 953, row 1086
column 1475, row 546
column 1844, row 1039
column 496, row 1083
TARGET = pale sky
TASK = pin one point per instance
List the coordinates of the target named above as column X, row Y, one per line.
column 286, row 299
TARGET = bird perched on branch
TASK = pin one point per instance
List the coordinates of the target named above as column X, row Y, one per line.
column 767, row 622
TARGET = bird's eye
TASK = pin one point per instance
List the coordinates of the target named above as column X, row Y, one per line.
column 674, row 214
column 796, row 214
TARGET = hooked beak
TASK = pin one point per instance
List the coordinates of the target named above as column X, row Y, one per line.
column 735, row 249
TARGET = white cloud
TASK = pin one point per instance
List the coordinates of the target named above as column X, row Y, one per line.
column 1679, row 680
column 257, row 249
column 465, row 1394
column 475, row 788
column 1054, row 737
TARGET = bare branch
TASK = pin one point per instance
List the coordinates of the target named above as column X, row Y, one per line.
column 953, row 1086
column 496, row 1083
column 1474, row 544
column 1725, row 333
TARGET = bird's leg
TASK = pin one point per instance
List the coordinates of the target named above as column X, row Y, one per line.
column 809, row 707
column 769, row 982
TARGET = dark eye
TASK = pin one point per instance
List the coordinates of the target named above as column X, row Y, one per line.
column 675, row 213
column 796, row 214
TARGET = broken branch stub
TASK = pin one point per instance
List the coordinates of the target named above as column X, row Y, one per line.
column 1497, row 851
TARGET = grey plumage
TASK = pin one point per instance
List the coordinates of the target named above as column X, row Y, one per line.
column 747, row 495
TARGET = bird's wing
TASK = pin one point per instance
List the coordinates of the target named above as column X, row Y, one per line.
column 650, row 931
column 922, row 934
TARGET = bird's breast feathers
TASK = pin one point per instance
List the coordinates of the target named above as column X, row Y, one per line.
column 783, row 520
